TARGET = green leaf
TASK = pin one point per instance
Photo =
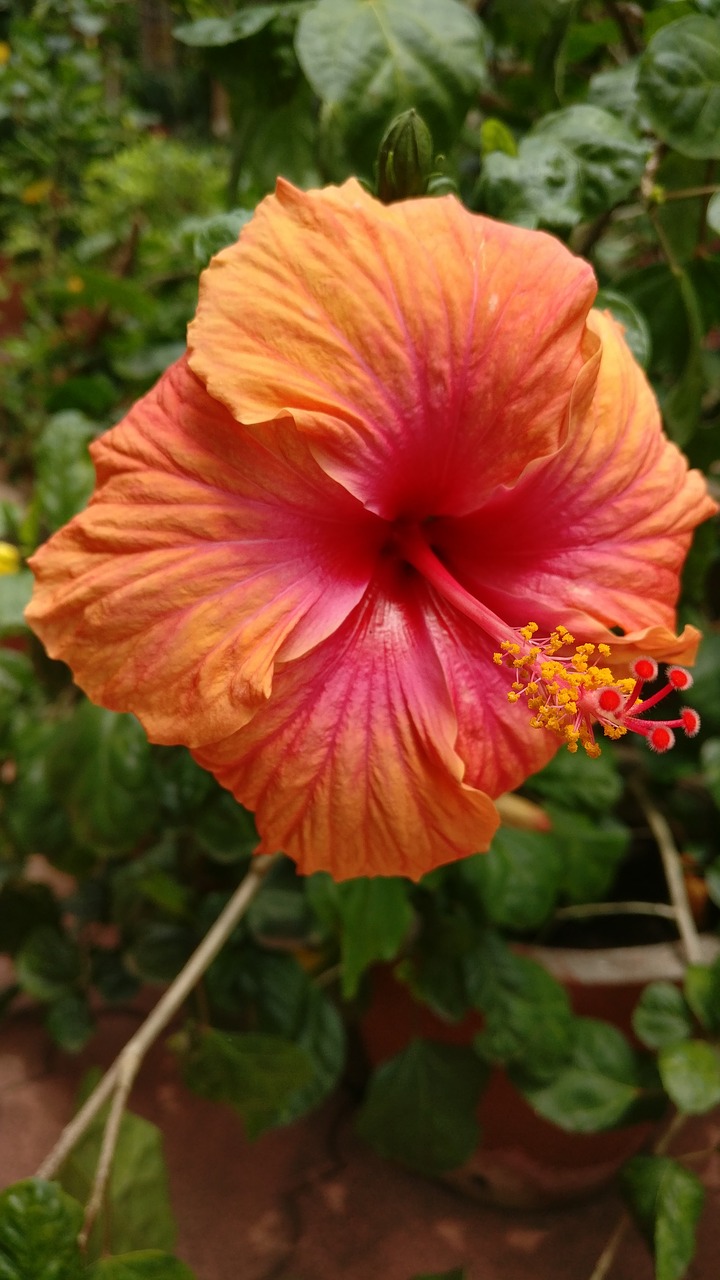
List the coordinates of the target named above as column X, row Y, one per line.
column 149, row 1264
column 48, row 964
column 710, row 761
column 290, row 1005
column 661, row 1016
column 690, row 1073
column 210, row 235
column 70, row 1022
column 39, row 1226
column 712, row 873
column 208, row 33
column 591, row 849
column 257, row 1075
column 368, row 60
column 577, row 782
column 528, row 1021
column 161, row 948
column 599, row 1086
column 137, row 1213
column 637, row 334
column 679, row 85
column 15, row 592
column 702, row 992
column 373, row 916
column 609, row 155
column 517, row 879
column 224, row 830
column 667, row 1201
column 25, row 906
column 100, row 770
column 539, row 187
column 420, row 1106
column 64, row 473
column 495, row 136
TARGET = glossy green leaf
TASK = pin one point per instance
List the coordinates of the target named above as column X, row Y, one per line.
column 701, row 985
column 290, row 1005
column 373, row 917
column 577, row 782
column 64, row 473
column 661, row 1016
column 667, row 1201
column 371, row 59
column 712, row 873
column 48, row 964
column 528, row 1021
column 538, row 187
column 210, row 235
column 25, row 906
column 70, row 1022
column 690, row 1072
column 420, row 1106
column 148, row 1264
column 257, row 1075
column 637, row 333
column 224, row 830
column 207, row 33
column 609, row 155
column 100, row 771
column 679, row 85
column 599, row 1085
column 517, row 879
column 710, row 760
column 137, row 1213
column 39, row 1225
column 591, row 850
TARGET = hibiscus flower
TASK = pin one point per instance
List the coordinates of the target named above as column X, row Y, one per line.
column 399, row 435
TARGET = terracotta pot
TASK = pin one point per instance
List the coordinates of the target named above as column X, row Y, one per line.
column 524, row 1161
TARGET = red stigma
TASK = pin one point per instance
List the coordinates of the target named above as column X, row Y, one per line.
column 609, row 700
column 690, row 721
column 661, row 738
column 679, row 678
column 645, row 669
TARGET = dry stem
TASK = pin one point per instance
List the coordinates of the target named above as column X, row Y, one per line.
column 118, row 1080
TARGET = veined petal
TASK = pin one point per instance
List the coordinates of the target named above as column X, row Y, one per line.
column 202, row 558
column 351, row 767
column 595, row 536
column 495, row 740
column 416, row 346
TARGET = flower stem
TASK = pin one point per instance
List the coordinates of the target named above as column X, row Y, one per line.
column 118, row 1079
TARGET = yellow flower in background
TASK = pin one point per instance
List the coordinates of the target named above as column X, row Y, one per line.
column 9, row 558
column 5, row 52
column 37, row 192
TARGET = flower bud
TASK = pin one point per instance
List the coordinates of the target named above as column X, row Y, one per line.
column 405, row 158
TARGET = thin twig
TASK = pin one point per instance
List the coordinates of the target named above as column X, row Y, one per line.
column 128, row 1069
column 616, row 11
column 583, row 909
column 146, row 1035
column 672, row 867
column 607, row 1257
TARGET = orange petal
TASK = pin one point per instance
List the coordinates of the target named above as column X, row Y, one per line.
column 202, row 558
column 595, row 536
column 351, row 766
column 418, row 347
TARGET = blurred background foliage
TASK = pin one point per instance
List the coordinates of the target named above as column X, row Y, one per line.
column 135, row 140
